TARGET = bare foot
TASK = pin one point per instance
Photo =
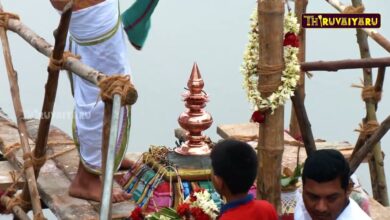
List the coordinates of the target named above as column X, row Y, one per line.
column 89, row 186
column 126, row 164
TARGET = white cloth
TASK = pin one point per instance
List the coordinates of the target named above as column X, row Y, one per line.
column 351, row 212
column 109, row 57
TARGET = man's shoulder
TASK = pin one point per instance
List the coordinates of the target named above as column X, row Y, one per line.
column 353, row 211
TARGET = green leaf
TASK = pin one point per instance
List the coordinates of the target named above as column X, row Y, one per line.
column 285, row 181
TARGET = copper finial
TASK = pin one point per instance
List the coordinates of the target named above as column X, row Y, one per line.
column 195, row 120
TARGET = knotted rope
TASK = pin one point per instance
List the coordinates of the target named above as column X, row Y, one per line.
column 118, row 84
column 57, row 65
column 369, row 92
column 4, row 18
column 367, row 128
column 353, row 10
column 19, row 201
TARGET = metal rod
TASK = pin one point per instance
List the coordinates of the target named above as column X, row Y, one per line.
column 105, row 209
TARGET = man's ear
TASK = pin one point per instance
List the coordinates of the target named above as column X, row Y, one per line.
column 350, row 187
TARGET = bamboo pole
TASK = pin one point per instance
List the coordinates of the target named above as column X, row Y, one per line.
column 52, row 83
column 345, row 64
column 370, row 32
column 30, row 184
column 16, row 210
column 72, row 64
column 369, row 145
column 304, row 122
column 50, row 91
column 378, row 177
column 111, row 122
column 300, row 8
column 270, row 144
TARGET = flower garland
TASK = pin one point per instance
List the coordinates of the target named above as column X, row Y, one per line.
column 290, row 74
column 199, row 205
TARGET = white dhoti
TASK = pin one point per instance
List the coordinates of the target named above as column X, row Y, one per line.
column 96, row 34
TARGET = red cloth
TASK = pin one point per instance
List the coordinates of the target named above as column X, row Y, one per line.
column 253, row 210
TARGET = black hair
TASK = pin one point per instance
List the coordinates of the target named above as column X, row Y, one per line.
column 326, row 165
column 235, row 162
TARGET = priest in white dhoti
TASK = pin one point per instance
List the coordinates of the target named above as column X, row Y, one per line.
column 97, row 35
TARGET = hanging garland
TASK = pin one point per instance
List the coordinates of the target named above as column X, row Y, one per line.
column 290, row 74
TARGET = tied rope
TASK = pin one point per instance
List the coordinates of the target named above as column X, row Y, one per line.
column 369, row 92
column 57, row 65
column 367, row 128
column 17, row 201
column 4, row 18
column 269, row 70
column 118, row 84
column 353, row 10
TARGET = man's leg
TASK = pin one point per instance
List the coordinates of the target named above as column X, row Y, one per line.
column 89, row 186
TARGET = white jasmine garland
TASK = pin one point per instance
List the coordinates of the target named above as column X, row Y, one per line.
column 290, row 75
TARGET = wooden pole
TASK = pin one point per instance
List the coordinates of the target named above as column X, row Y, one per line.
column 369, row 145
column 50, row 91
column 300, row 8
column 304, row 123
column 345, row 64
column 30, row 185
column 72, row 64
column 370, row 32
column 377, row 171
column 16, row 210
column 52, row 83
column 270, row 145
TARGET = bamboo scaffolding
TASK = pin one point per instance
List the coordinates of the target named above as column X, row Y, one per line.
column 300, row 8
column 30, row 183
column 370, row 32
column 369, row 145
column 270, row 144
column 377, row 172
column 345, row 64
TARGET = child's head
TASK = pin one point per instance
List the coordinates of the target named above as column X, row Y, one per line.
column 234, row 165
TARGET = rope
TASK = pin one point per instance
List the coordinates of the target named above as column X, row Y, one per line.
column 61, row 153
column 19, row 201
column 57, row 65
column 118, row 84
column 4, row 18
column 267, row 70
column 38, row 162
column 353, row 10
column 27, row 157
column 39, row 216
column 368, row 128
column 11, row 148
column 369, row 92
column 268, row 88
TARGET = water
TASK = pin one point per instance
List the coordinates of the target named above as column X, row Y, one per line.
column 213, row 34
